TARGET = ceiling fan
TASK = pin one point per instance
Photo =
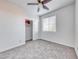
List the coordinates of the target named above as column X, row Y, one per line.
column 42, row 2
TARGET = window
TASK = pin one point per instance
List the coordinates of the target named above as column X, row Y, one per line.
column 49, row 24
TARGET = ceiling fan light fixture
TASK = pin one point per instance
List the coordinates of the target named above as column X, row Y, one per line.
column 41, row 3
column 42, row 0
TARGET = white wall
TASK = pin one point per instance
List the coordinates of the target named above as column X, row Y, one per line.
column 76, row 27
column 12, row 27
column 64, row 24
column 35, row 27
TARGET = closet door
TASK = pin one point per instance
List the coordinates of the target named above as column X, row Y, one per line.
column 28, row 30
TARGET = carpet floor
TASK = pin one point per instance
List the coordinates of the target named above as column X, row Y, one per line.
column 40, row 49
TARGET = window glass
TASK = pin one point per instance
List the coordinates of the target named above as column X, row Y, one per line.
column 49, row 24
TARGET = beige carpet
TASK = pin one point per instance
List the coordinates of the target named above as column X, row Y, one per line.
column 40, row 49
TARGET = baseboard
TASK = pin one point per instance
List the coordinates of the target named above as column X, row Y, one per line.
column 9, row 48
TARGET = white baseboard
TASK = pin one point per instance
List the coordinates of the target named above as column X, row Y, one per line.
column 11, row 47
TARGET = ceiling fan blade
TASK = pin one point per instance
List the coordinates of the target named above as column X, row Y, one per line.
column 45, row 7
column 32, row 3
column 38, row 9
column 46, row 1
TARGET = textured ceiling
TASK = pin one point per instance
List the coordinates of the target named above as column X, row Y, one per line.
column 31, row 11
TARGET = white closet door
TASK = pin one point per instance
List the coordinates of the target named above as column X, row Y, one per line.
column 28, row 30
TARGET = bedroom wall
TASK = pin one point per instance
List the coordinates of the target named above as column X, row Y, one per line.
column 65, row 33
column 35, row 27
column 12, row 27
column 76, row 27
